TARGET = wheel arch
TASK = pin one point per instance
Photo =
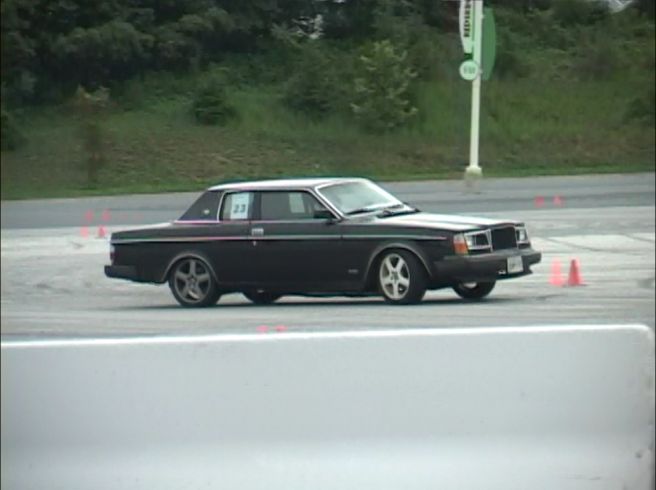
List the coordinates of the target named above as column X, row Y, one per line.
column 189, row 254
column 378, row 252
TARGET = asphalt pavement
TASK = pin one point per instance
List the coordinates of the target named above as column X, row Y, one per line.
column 53, row 282
column 444, row 196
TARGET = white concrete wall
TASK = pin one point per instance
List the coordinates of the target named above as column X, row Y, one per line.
column 517, row 408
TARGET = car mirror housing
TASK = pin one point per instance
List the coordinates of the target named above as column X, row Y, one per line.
column 324, row 214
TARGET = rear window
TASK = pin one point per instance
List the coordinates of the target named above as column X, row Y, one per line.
column 237, row 206
column 204, row 209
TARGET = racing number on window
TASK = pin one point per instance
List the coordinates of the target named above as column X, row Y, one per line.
column 240, row 206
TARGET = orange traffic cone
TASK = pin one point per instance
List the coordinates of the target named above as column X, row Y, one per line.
column 84, row 232
column 558, row 201
column 556, row 278
column 101, row 232
column 574, row 278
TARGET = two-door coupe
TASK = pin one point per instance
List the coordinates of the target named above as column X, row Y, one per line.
column 329, row 236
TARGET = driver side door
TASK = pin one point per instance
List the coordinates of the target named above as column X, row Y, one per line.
column 297, row 249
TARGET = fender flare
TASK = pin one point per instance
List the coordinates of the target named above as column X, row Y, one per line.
column 408, row 246
column 189, row 254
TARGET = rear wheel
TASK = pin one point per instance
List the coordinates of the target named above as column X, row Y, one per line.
column 262, row 297
column 193, row 284
column 474, row 290
column 401, row 278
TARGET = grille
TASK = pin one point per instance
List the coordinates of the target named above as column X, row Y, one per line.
column 504, row 238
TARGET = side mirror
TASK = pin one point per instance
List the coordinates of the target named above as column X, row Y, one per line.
column 324, row 214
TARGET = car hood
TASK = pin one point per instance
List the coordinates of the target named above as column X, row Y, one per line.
column 450, row 222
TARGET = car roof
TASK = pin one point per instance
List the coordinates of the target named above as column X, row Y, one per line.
column 304, row 183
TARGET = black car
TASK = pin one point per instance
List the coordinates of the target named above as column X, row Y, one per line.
column 331, row 236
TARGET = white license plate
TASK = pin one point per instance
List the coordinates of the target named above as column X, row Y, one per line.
column 515, row 265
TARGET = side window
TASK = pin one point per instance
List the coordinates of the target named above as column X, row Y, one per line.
column 296, row 204
column 204, row 208
column 293, row 205
column 312, row 205
column 237, row 206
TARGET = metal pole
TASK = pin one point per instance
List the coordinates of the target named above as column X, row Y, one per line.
column 474, row 168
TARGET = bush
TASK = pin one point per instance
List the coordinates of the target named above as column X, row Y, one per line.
column 382, row 93
column 11, row 137
column 210, row 105
column 643, row 108
column 579, row 12
column 318, row 86
column 598, row 59
column 509, row 63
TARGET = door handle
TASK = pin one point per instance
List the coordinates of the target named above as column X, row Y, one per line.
column 257, row 231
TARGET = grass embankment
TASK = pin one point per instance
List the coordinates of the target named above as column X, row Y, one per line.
column 529, row 126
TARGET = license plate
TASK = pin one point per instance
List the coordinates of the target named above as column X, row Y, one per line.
column 515, row 265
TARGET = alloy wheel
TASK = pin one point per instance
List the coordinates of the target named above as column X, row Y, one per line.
column 394, row 277
column 192, row 283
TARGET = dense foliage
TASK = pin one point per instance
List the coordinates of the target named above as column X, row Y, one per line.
column 211, row 106
column 49, row 47
column 382, row 96
column 298, row 80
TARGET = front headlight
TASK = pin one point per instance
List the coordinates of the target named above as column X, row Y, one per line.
column 522, row 235
column 479, row 240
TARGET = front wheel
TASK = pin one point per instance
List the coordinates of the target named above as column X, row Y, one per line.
column 401, row 278
column 193, row 284
column 474, row 290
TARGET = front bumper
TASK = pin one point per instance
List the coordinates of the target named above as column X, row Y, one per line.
column 484, row 267
column 122, row 272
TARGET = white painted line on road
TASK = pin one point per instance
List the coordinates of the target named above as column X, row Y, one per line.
column 351, row 334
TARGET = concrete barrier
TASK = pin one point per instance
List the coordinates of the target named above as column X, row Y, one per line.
column 498, row 408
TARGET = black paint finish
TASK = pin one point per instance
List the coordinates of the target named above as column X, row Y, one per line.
column 333, row 255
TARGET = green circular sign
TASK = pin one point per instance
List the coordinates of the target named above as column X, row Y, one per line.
column 469, row 70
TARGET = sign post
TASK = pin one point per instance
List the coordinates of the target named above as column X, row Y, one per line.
column 471, row 36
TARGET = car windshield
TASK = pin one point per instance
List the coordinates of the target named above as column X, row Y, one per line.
column 358, row 197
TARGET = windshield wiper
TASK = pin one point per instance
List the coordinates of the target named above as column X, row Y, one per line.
column 395, row 211
column 365, row 209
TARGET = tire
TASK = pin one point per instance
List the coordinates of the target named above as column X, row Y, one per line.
column 192, row 283
column 401, row 278
column 476, row 290
column 262, row 297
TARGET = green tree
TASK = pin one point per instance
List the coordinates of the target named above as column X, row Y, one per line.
column 210, row 105
column 11, row 136
column 98, row 55
column 647, row 7
column 382, row 92
column 18, row 51
column 319, row 83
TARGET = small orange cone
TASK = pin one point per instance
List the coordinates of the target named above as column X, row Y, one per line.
column 558, row 201
column 539, row 201
column 84, row 232
column 101, row 232
column 574, row 278
column 556, row 278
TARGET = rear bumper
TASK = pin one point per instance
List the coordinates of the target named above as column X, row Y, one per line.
column 484, row 267
column 122, row 272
